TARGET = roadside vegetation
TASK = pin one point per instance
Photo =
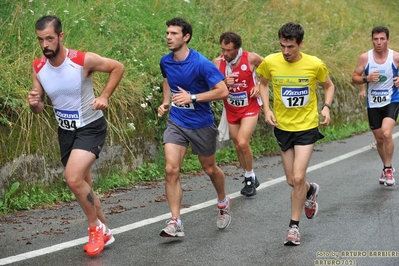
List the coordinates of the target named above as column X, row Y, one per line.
column 133, row 33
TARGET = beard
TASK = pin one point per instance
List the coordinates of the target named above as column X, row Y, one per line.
column 52, row 53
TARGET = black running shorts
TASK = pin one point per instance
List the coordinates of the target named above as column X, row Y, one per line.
column 287, row 139
column 90, row 138
column 376, row 115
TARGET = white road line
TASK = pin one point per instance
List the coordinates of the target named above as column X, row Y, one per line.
column 119, row 230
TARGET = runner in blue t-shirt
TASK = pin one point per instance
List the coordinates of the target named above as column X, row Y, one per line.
column 195, row 74
column 190, row 82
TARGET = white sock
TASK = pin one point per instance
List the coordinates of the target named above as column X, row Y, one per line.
column 179, row 222
column 250, row 174
column 223, row 202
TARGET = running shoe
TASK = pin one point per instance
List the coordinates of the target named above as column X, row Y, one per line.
column 311, row 206
column 293, row 237
column 96, row 240
column 249, row 189
column 224, row 216
column 382, row 177
column 108, row 238
column 173, row 229
column 389, row 179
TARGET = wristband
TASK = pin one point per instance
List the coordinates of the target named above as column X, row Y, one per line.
column 193, row 98
column 328, row 106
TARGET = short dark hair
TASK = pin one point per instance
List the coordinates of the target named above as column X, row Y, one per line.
column 291, row 31
column 380, row 29
column 184, row 24
column 231, row 37
column 46, row 21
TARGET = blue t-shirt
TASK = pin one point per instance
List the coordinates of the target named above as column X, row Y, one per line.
column 195, row 74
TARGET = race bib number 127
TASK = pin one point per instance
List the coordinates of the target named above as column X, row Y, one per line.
column 295, row 97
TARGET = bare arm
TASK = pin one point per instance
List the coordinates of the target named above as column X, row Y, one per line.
column 218, row 92
column 254, row 61
column 396, row 62
column 264, row 94
column 357, row 76
column 362, row 92
column 164, row 107
column 93, row 63
column 36, row 95
column 328, row 98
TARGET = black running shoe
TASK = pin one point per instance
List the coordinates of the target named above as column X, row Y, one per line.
column 250, row 186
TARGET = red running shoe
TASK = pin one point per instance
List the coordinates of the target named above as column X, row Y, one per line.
column 311, row 206
column 96, row 240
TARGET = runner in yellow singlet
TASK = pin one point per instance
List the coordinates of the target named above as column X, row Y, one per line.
column 295, row 117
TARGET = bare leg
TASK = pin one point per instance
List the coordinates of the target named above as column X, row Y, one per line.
column 76, row 172
column 215, row 173
column 295, row 163
column 241, row 136
column 97, row 202
column 174, row 155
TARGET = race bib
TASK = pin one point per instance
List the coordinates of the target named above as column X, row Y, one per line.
column 238, row 99
column 295, row 97
column 379, row 97
column 183, row 106
column 68, row 120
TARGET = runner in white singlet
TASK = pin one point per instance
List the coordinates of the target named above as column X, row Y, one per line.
column 65, row 75
column 378, row 70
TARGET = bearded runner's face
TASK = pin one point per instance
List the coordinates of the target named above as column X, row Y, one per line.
column 50, row 42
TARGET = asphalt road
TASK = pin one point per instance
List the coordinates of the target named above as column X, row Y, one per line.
column 355, row 225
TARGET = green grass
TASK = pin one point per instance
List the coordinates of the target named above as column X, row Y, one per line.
column 132, row 31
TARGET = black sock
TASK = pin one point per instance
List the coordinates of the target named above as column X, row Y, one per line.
column 387, row 167
column 292, row 222
column 310, row 191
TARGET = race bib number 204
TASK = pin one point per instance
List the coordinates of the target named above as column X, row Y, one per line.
column 68, row 120
column 295, row 97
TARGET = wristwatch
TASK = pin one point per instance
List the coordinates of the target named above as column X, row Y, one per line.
column 365, row 79
column 193, row 98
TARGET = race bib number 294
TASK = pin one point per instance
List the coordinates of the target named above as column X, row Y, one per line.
column 68, row 120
